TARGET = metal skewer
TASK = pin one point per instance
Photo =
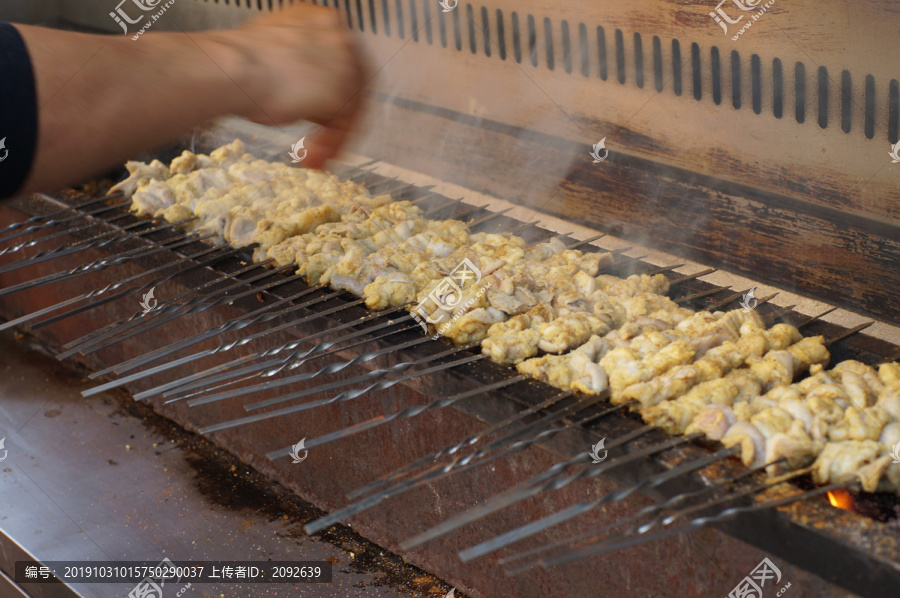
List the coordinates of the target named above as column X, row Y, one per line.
column 234, row 325
column 443, row 206
column 408, row 412
column 260, row 315
column 438, row 472
column 165, row 307
column 193, row 357
column 540, row 525
column 329, row 369
column 469, row 441
column 484, row 219
column 100, row 264
column 34, row 219
column 213, row 375
column 196, row 305
column 101, row 240
column 348, row 395
column 36, row 228
column 109, row 287
column 695, row 524
column 597, row 534
column 232, row 380
column 590, row 240
column 543, row 483
column 136, row 289
column 335, row 367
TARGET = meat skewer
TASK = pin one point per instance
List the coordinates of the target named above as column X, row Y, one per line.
column 544, row 308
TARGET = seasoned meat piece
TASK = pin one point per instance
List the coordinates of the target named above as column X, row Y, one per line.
column 872, row 383
column 787, row 451
column 714, row 421
column 851, row 460
column 771, row 421
column 799, row 410
column 389, row 291
column 472, row 326
column 751, row 441
column 228, row 154
column 889, row 374
column 716, row 362
column 859, row 424
column 857, row 390
column 889, row 401
column 577, row 370
column 189, row 161
column 569, row 331
column 514, row 340
column 542, row 251
column 140, row 173
column 151, row 198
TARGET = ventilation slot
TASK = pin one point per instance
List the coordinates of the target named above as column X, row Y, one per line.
column 442, row 27
column 601, row 53
column 567, row 47
column 716, row 75
column 457, row 30
column 846, row 101
column 470, row 19
column 777, row 89
column 548, row 34
column 823, row 97
column 870, row 107
column 620, row 56
column 735, row 79
column 532, row 41
column 657, row 63
column 426, row 16
column 893, row 110
column 517, row 42
column 695, row 68
column 501, row 35
column 676, row 67
column 638, row 61
column 572, row 50
column 487, row 31
column 585, row 52
column 756, row 83
column 800, row 92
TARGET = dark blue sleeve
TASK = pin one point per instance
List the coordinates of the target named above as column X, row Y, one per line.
column 18, row 111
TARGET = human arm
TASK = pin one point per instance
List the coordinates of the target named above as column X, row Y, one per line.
column 103, row 99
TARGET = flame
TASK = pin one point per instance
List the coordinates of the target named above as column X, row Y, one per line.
column 841, row 499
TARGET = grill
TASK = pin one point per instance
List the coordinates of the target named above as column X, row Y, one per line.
column 464, row 467
column 222, row 319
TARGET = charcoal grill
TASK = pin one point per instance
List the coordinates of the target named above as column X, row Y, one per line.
column 768, row 218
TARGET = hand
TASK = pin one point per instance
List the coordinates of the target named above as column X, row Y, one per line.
column 299, row 64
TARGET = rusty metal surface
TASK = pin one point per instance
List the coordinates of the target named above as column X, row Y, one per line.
column 336, row 469
column 106, row 479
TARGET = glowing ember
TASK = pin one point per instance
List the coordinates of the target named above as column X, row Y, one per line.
column 841, row 499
